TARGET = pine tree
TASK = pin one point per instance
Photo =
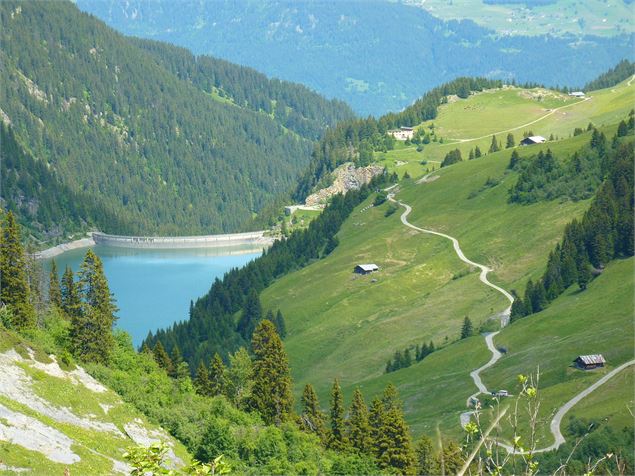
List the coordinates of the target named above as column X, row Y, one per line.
column 162, row 358
column 539, row 297
column 584, row 275
column 271, row 394
column 622, row 129
column 379, row 441
column 217, row 376
column 467, row 330
column 450, row 458
column 14, row 283
column 494, row 145
column 514, row 160
column 518, row 309
column 251, row 315
column 177, row 360
column 337, row 436
column 201, row 382
column 477, row 152
column 281, row 326
column 510, row 141
column 529, row 292
column 91, row 330
column 55, row 291
column 71, row 300
column 396, row 451
column 359, row 432
column 471, row 155
column 426, row 461
column 312, row 417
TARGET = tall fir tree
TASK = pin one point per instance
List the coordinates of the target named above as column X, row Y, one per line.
column 510, row 141
column 14, row 282
column 251, row 315
column 477, row 152
column 177, row 360
column 398, row 454
column 201, row 381
column 337, row 436
column 426, row 460
column 467, row 330
column 494, row 145
column 71, row 299
column 91, row 330
column 376, row 415
column 217, row 376
column 162, row 358
column 281, row 325
column 312, row 417
column 359, row 433
column 271, row 394
column 55, row 291
column 450, row 458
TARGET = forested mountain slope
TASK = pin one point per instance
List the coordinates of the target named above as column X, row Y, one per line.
column 377, row 56
column 172, row 146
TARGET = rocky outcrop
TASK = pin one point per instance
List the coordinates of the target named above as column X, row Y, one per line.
column 346, row 177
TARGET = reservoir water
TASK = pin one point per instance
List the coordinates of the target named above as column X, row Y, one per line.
column 153, row 288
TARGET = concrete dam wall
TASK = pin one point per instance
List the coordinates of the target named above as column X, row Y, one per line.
column 255, row 239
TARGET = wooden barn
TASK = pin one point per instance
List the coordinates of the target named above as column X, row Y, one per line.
column 533, row 140
column 588, row 362
column 366, row 268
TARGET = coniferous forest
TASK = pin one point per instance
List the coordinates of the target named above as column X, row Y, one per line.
column 170, row 143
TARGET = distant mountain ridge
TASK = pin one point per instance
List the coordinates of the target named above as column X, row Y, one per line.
column 166, row 142
column 377, row 56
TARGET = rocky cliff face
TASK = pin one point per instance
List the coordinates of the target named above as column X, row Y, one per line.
column 54, row 418
column 346, row 177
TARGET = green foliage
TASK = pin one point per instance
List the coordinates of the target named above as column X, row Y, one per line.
column 604, row 233
column 623, row 70
column 91, row 338
column 211, row 327
column 379, row 199
column 337, row 436
column 217, row 377
column 55, row 291
column 511, row 142
column 452, row 157
column 494, row 147
column 271, row 394
column 15, row 291
column 105, row 107
column 467, row 330
column 312, row 418
column 239, row 377
column 359, row 432
column 426, row 460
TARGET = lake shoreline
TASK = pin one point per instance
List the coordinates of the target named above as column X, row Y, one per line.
column 64, row 247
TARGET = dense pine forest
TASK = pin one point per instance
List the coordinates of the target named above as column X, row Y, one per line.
column 170, row 143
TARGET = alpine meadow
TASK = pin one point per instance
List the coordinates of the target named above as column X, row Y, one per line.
column 404, row 247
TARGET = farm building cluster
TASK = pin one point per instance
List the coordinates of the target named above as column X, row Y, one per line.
column 403, row 133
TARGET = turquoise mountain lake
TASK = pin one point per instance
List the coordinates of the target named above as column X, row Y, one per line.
column 153, row 288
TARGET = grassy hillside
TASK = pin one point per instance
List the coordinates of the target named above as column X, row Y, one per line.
column 468, row 123
column 347, row 326
column 55, row 416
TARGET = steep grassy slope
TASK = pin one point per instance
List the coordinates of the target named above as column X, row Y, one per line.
column 348, row 326
column 140, row 126
column 54, row 417
column 466, row 123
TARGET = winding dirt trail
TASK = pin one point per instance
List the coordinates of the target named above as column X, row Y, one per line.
column 489, row 340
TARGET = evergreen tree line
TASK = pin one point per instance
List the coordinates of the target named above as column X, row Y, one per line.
column 604, row 233
column 623, row 70
column 547, row 178
column 211, row 327
column 85, row 305
column 403, row 359
column 355, row 140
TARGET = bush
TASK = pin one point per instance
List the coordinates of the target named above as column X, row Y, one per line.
column 390, row 210
column 379, row 199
